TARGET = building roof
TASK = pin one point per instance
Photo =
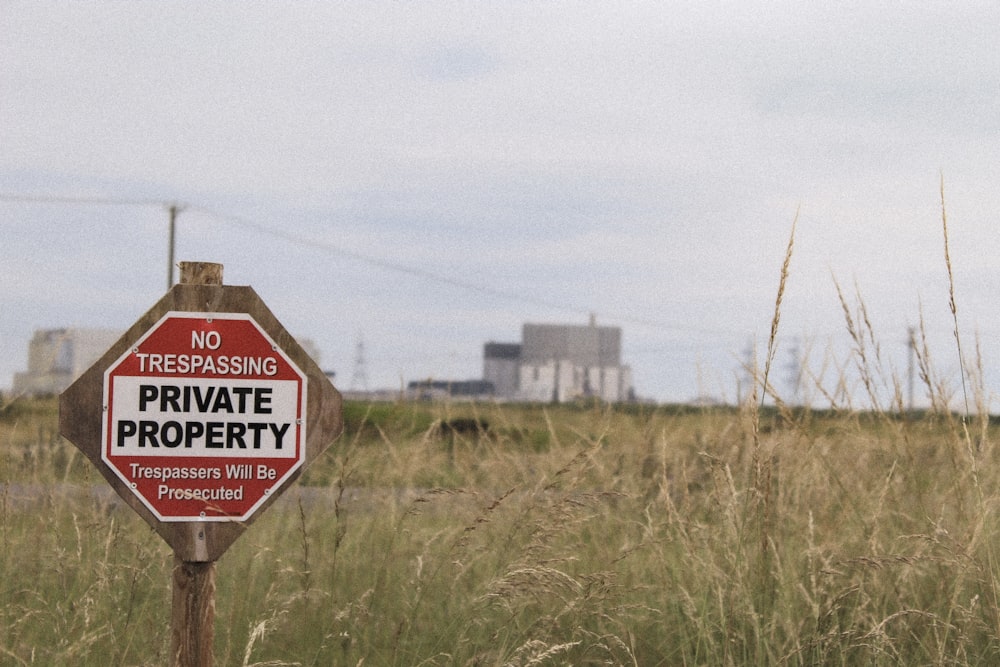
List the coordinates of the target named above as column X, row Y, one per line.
column 502, row 350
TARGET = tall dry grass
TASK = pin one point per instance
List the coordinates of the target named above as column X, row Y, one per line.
column 564, row 536
column 764, row 534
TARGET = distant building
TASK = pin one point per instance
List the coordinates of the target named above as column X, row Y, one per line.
column 558, row 363
column 427, row 390
column 501, row 364
column 57, row 357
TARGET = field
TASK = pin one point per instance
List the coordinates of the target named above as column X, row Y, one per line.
column 461, row 534
column 587, row 534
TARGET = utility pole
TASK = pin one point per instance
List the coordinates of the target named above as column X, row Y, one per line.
column 170, row 245
column 912, row 344
column 794, row 369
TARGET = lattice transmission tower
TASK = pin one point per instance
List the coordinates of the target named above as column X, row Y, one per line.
column 359, row 378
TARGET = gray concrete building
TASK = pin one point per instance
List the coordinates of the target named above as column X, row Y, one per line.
column 558, row 363
column 56, row 357
column 501, row 362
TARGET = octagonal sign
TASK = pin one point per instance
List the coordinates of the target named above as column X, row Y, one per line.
column 204, row 417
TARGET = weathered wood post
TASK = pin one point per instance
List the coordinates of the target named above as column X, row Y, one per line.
column 192, row 609
column 192, row 614
column 199, row 417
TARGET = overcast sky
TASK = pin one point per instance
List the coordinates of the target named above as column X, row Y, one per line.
column 427, row 176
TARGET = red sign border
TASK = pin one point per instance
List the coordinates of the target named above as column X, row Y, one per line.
column 301, row 421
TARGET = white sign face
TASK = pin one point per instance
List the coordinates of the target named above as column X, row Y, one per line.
column 199, row 417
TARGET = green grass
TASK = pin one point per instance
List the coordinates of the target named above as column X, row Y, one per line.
column 559, row 535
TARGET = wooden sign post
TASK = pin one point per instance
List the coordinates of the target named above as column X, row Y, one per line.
column 199, row 417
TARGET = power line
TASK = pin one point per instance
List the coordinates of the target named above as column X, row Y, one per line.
column 313, row 243
column 88, row 201
column 172, row 207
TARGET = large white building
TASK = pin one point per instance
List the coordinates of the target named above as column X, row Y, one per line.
column 558, row 363
column 56, row 357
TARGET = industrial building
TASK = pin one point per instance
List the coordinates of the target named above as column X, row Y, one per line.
column 558, row 363
column 436, row 390
column 552, row 363
column 56, row 357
